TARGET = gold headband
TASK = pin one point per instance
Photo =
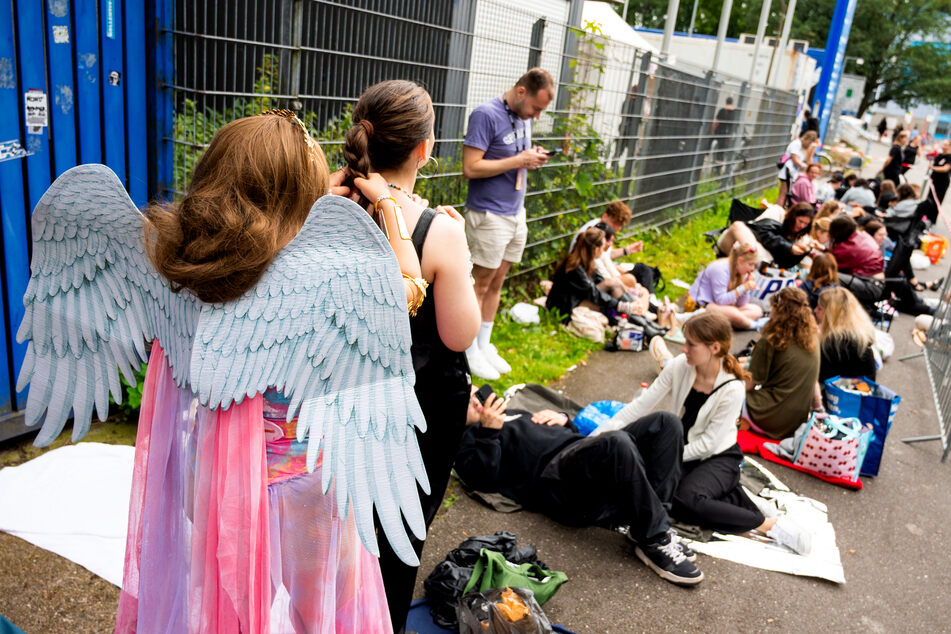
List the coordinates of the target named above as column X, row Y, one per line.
column 293, row 118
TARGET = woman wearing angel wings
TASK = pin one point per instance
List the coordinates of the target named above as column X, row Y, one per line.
column 278, row 412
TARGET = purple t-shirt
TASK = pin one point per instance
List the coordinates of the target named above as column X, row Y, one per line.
column 490, row 130
column 710, row 287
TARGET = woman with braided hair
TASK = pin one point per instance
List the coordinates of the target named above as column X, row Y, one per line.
column 393, row 135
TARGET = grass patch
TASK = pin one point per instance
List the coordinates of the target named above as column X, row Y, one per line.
column 538, row 353
column 543, row 353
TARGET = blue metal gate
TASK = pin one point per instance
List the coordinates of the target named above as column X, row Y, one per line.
column 73, row 89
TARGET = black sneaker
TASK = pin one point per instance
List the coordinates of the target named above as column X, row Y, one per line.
column 667, row 559
column 684, row 548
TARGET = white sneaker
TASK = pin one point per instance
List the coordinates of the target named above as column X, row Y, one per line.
column 492, row 356
column 791, row 534
column 659, row 352
column 766, row 507
column 480, row 366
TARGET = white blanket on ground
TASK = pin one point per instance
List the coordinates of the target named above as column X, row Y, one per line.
column 73, row 501
column 824, row 560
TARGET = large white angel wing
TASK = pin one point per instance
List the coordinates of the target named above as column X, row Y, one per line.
column 327, row 323
column 93, row 301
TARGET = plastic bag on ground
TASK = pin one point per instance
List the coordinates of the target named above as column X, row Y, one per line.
column 501, row 611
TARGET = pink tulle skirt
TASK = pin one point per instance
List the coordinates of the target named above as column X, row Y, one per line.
column 212, row 548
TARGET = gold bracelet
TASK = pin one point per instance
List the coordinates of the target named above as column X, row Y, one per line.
column 421, row 285
column 400, row 223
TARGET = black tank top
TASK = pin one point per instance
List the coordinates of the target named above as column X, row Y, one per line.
column 431, row 357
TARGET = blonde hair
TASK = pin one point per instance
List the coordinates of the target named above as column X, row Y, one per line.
column 828, row 209
column 844, row 320
column 744, row 250
column 820, row 224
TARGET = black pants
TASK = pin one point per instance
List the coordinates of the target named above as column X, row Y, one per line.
column 621, row 477
column 906, row 299
column 709, row 494
column 444, row 407
column 940, row 188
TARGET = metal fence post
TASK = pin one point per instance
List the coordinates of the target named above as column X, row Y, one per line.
column 297, row 32
column 568, row 52
column 161, row 148
column 453, row 121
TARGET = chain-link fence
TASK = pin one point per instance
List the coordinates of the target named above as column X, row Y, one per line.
column 659, row 136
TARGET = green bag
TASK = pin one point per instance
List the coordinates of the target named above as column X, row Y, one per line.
column 494, row 571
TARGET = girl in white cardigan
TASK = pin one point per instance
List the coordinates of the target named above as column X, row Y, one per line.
column 707, row 385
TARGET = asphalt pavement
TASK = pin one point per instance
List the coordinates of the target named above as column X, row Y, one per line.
column 893, row 535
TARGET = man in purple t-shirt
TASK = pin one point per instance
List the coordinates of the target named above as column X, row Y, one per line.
column 496, row 156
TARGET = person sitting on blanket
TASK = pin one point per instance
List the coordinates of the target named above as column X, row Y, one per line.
column 706, row 385
column 622, row 477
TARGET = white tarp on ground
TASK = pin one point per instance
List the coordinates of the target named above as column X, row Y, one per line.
column 824, row 561
column 73, row 501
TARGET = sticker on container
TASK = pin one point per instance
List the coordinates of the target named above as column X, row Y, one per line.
column 61, row 34
column 37, row 111
column 114, row 77
column 12, row 149
column 111, row 19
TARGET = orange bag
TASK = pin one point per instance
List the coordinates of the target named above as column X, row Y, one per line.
column 934, row 246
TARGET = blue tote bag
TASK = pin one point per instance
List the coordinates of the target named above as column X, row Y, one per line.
column 877, row 408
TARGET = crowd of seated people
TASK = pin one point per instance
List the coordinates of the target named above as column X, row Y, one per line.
column 645, row 466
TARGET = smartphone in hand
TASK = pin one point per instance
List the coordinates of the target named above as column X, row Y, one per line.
column 557, row 150
column 484, row 392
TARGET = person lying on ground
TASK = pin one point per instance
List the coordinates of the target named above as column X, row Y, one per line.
column 706, row 387
column 625, row 477
column 786, row 242
column 573, row 282
column 784, row 367
column 724, row 286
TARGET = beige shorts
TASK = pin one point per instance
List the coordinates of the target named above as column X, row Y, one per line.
column 493, row 238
